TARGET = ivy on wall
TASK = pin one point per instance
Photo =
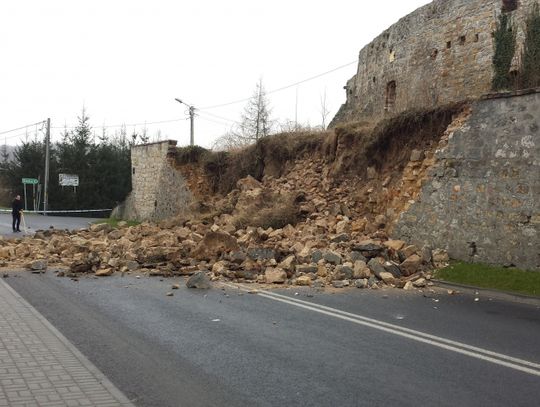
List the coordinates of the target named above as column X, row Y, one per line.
column 505, row 48
column 530, row 57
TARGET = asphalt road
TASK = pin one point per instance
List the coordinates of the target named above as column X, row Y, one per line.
column 35, row 222
column 226, row 347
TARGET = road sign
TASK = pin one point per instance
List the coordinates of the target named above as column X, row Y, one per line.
column 68, row 180
column 31, row 181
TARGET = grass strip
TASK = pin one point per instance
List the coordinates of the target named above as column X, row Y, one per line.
column 498, row 278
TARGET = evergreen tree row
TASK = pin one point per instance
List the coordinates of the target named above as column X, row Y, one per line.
column 103, row 166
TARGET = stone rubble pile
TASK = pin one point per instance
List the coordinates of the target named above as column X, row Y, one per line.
column 328, row 247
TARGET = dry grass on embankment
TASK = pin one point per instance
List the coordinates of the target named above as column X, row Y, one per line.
column 348, row 149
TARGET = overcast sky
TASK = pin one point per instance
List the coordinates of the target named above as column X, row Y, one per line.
column 126, row 60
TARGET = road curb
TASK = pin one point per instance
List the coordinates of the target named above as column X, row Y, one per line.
column 492, row 293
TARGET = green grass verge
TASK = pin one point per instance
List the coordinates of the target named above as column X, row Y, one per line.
column 114, row 222
column 499, row 278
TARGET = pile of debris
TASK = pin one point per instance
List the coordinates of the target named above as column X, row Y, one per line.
column 326, row 247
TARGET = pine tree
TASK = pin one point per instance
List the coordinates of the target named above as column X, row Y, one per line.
column 256, row 122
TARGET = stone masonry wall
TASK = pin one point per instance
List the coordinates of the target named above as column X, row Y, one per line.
column 439, row 54
column 158, row 190
column 482, row 198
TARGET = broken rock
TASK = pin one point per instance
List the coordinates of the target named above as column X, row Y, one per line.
column 199, row 281
column 361, row 270
column 411, row 265
column 38, row 265
column 288, row 263
column 343, row 273
column 369, row 248
column 362, row 283
column 332, row 258
column 303, row 280
column 421, row 282
column 104, row 272
column 377, row 268
column 387, row 277
column 214, row 244
column 440, row 257
column 275, row 275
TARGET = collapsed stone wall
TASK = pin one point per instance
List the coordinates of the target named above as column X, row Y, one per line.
column 439, row 54
column 469, row 182
column 481, row 201
column 158, row 190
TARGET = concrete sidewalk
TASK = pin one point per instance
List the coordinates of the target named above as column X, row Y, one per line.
column 40, row 367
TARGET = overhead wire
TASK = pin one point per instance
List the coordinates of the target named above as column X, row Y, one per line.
column 217, row 116
column 26, row 134
column 124, row 124
column 234, row 102
column 20, row 128
column 207, row 119
column 199, row 110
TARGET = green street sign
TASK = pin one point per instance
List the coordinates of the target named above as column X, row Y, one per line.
column 31, row 181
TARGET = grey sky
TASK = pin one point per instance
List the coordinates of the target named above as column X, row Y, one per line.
column 126, row 60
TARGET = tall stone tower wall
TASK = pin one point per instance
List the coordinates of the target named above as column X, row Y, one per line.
column 439, row 54
column 159, row 191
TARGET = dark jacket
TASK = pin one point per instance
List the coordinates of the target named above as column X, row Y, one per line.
column 16, row 206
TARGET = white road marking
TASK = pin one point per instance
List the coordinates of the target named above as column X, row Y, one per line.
column 433, row 340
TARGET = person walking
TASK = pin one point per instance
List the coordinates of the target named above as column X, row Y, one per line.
column 16, row 211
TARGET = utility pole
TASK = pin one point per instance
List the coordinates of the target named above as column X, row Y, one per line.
column 192, row 126
column 191, row 121
column 46, row 180
column 296, row 111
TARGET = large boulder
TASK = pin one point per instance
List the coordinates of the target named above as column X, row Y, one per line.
column 343, row 272
column 213, row 245
column 376, row 267
column 105, row 272
column 411, row 265
column 38, row 265
column 332, row 258
column 303, row 280
column 198, row 280
column 361, row 270
column 275, row 275
column 369, row 248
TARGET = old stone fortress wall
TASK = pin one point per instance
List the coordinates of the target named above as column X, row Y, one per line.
column 439, row 54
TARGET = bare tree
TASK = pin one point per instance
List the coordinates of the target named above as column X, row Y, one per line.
column 255, row 123
column 324, row 110
column 230, row 141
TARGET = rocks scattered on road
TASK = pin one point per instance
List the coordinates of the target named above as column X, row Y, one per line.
column 328, row 246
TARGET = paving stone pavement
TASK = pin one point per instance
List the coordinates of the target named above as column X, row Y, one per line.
column 39, row 367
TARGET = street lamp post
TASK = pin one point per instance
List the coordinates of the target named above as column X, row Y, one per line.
column 191, row 121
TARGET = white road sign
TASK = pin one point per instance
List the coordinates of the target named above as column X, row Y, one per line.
column 68, row 180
